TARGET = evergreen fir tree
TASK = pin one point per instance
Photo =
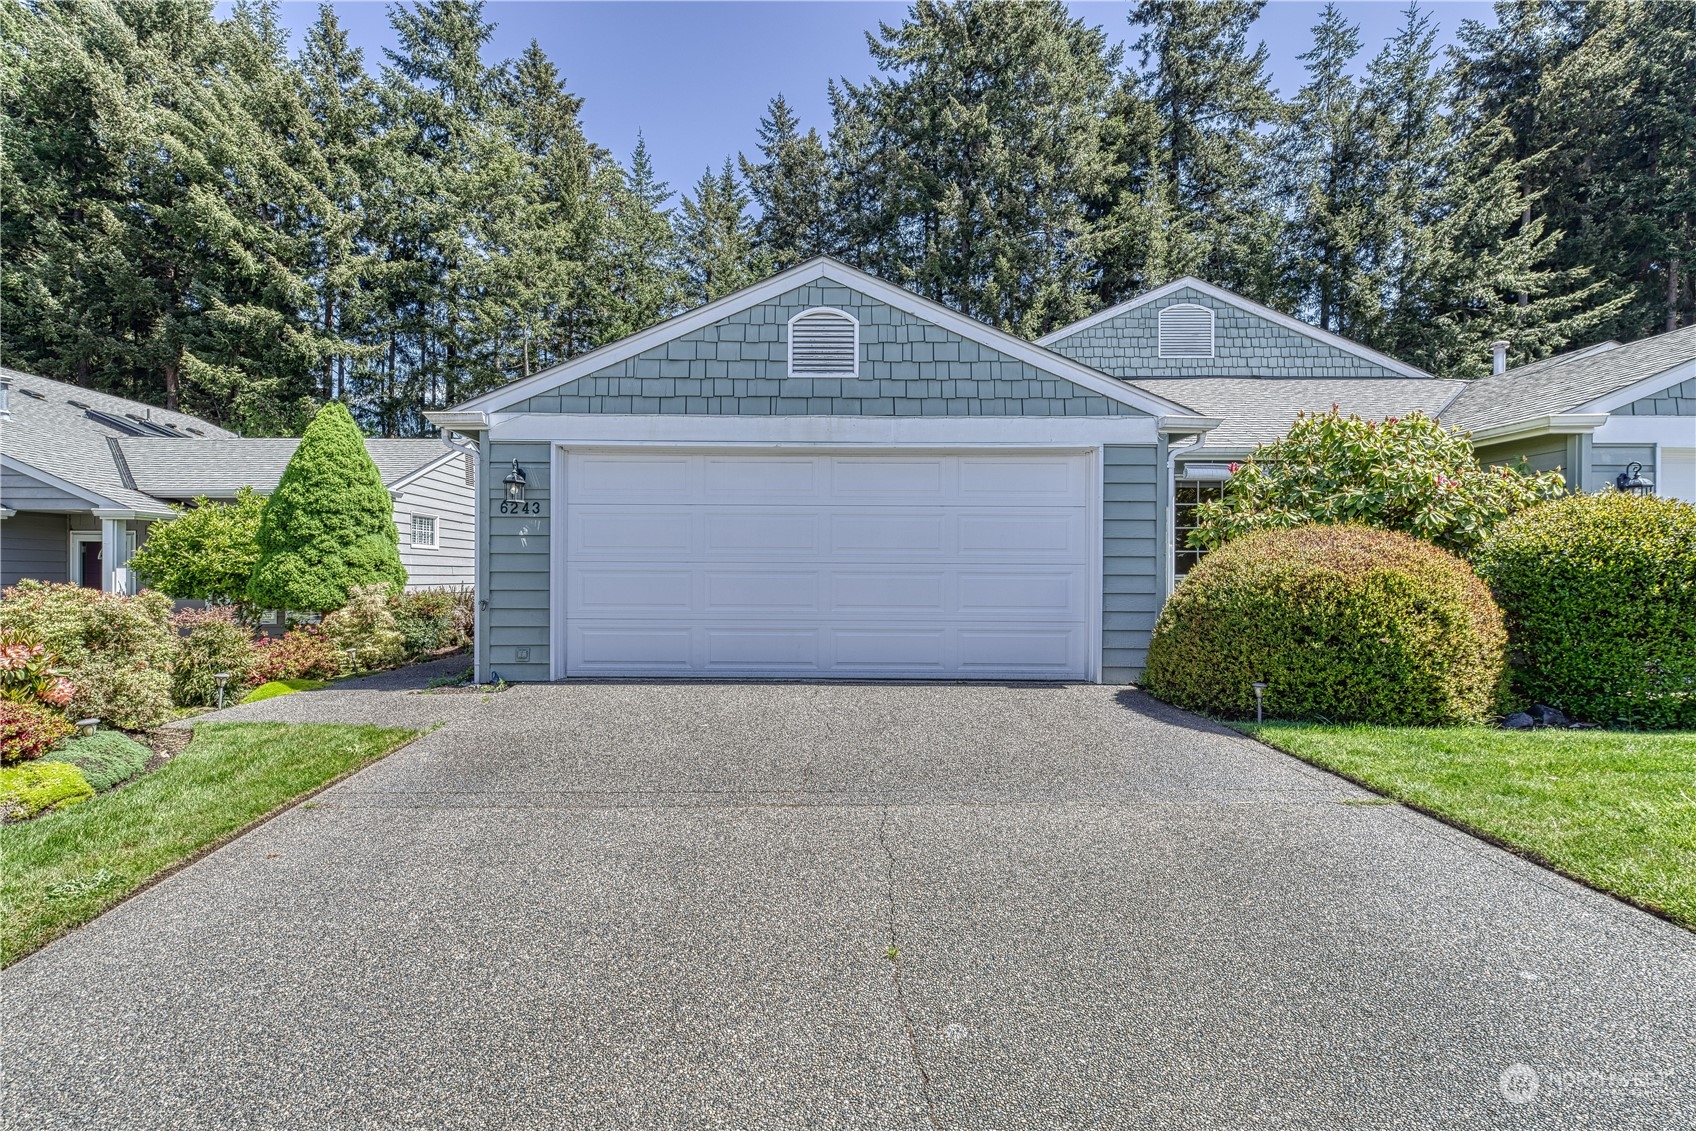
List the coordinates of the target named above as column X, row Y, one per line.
column 716, row 238
column 642, row 275
column 329, row 525
column 791, row 186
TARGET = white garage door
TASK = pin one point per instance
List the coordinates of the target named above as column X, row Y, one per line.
column 1678, row 474
column 865, row 566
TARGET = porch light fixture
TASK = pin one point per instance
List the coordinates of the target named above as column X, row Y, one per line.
column 1631, row 480
column 1259, row 700
column 515, row 483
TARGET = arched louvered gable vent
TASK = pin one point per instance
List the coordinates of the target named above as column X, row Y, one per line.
column 1186, row 330
column 824, row 343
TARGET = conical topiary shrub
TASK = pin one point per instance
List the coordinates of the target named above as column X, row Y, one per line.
column 329, row 526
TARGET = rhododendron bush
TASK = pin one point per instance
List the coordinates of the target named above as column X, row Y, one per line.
column 1409, row 474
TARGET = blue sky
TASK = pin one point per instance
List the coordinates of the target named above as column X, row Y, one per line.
column 695, row 77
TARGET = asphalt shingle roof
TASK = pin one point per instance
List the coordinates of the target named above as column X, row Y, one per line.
column 183, row 469
column 52, row 434
column 1257, row 410
column 1569, row 381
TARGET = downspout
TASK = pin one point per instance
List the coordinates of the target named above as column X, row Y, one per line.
column 479, row 528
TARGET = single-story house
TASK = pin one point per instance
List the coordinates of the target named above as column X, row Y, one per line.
column 825, row 475
column 84, row 474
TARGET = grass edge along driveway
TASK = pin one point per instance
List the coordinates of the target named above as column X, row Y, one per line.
column 62, row 869
column 1614, row 810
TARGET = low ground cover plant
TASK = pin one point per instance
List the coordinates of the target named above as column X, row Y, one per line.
column 1616, row 810
column 1343, row 623
column 106, row 758
column 276, row 687
column 1600, row 597
column 32, row 788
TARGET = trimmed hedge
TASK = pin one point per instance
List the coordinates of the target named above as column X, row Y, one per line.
column 1344, row 623
column 36, row 787
column 106, row 758
column 1600, row 597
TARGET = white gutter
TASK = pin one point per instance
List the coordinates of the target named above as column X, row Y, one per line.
column 1560, row 424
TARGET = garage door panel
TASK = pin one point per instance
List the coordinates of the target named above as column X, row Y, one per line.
column 600, row 589
column 873, row 566
column 614, row 647
column 749, row 478
column 732, row 532
column 621, row 476
column 895, row 533
column 876, row 650
column 1022, row 480
column 623, row 533
column 762, row 648
column 760, row 591
column 1021, row 535
column 886, row 480
column 998, row 648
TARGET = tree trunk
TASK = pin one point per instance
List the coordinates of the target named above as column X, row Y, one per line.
column 172, row 372
column 1672, row 294
column 329, row 328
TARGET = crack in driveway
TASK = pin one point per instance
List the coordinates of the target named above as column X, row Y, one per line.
column 894, row 954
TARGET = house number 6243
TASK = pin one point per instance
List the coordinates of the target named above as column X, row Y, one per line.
column 526, row 507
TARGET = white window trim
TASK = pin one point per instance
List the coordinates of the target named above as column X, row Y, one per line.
column 78, row 538
column 789, row 343
column 1212, row 331
column 435, row 542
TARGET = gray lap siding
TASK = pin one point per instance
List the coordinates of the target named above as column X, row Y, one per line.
column 515, row 608
column 1130, row 574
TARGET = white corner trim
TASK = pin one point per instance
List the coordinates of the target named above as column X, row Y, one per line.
column 1637, row 390
column 1559, row 424
column 870, row 431
column 811, row 271
column 1231, row 298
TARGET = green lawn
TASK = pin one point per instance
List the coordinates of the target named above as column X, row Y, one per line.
column 1615, row 810
column 62, row 869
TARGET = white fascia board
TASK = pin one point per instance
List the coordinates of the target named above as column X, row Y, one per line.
column 65, row 485
column 1637, row 390
column 456, row 420
column 418, row 473
column 1667, row 431
column 852, row 431
column 1231, row 298
column 811, row 271
column 1559, row 424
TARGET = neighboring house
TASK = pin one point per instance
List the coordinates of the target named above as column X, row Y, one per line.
column 1593, row 413
column 83, row 475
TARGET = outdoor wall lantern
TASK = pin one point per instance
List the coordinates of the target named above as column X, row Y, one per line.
column 515, row 483
column 1631, row 480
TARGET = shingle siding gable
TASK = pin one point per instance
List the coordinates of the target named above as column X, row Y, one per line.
column 1245, row 345
column 738, row 366
column 1677, row 400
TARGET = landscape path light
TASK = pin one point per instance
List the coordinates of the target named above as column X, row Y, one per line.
column 222, row 678
column 1259, row 704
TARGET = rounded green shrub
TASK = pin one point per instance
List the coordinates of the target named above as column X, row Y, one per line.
column 117, row 651
column 1600, row 597
column 213, row 641
column 36, row 787
column 1343, row 623
column 106, row 758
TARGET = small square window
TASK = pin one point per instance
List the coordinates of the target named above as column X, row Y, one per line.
column 424, row 531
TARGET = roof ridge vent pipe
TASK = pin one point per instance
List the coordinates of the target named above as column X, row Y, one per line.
column 1498, row 357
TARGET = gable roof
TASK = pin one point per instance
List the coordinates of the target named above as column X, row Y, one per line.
column 1231, row 298
column 186, row 469
column 1258, row 410
column 67, row 433
column 813, row 269
column 1575, row 381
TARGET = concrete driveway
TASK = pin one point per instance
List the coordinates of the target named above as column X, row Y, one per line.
column 617, row 905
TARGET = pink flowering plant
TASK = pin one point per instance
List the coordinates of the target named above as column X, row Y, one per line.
column 29, row 673
column 1402, row 473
